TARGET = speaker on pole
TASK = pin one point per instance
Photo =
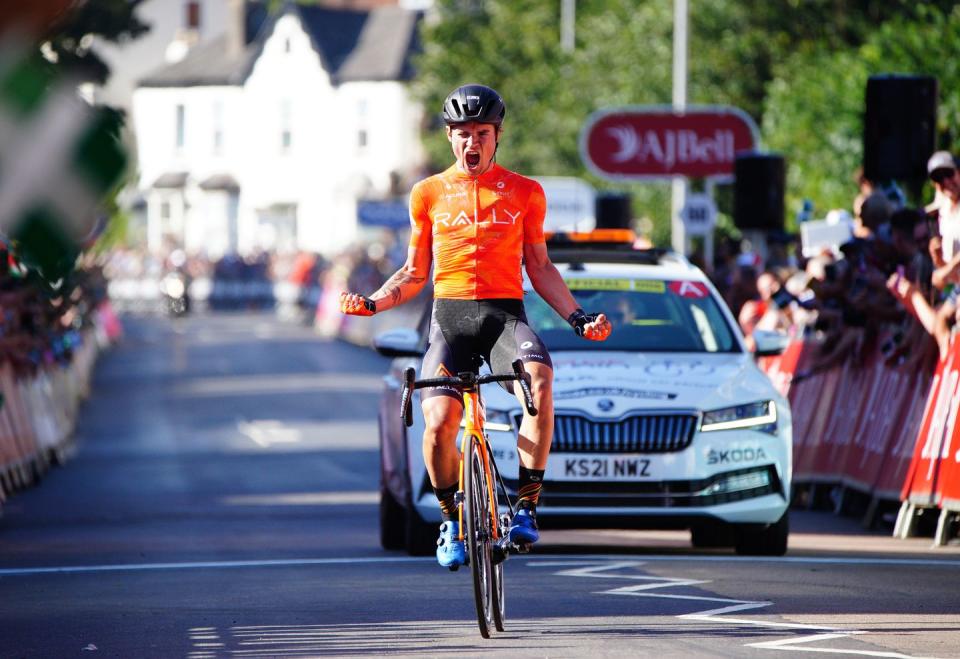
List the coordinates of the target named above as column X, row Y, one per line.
column 899, row 128
column 613, row 210
column 759, row 180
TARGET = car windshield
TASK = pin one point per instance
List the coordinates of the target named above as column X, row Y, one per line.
column 647, row 315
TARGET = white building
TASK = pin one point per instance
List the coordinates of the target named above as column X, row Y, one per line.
column 268, row 136
column 175, row 26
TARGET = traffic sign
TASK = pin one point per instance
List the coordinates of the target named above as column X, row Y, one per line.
column 656, row 142
column 699, row 215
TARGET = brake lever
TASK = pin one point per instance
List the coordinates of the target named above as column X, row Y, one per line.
column 523, row 378
column 406, row 409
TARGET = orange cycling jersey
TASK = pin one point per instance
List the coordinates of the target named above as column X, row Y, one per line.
column 477, row 227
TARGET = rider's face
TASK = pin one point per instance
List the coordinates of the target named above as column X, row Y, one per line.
column 474, row 146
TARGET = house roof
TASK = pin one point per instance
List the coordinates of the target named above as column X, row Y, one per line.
column 171, row 180
column 363, row 45
column 353, row 46
column 220, row 182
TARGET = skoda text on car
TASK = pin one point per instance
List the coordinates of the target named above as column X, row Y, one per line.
column 667, row 424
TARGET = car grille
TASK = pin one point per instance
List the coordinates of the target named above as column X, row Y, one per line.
column 653, row 433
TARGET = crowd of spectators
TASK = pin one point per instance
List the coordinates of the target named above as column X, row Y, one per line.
column 41, row 325
column 892, row 288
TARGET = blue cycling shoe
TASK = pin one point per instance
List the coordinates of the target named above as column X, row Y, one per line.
column 523, row 529
column 450, row 550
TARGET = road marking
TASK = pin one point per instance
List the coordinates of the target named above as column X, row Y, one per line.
column 199, row 565
column 717, row 615
column 530, row 561
column 800, row 560
column 788, row 644
column 267, row 432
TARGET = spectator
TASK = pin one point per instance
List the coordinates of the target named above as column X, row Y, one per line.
column 911, row 344
column 767, row 310
column 944, row 251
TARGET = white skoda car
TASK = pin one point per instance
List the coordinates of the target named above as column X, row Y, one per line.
column 667, row 424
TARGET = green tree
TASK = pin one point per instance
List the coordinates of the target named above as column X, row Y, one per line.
column 815, row 103
column 753, row 54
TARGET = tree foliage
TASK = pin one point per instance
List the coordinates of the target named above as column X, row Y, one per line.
column 798, row 67
column 72, row 39
column 815, row 105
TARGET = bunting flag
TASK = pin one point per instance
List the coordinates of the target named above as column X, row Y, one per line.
column 59, row 157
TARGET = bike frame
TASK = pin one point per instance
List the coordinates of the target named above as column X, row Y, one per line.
column 473, row 431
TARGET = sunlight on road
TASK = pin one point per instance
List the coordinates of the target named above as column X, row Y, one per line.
column 304, row 499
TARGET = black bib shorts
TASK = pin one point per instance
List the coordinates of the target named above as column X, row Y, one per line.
column 464, row 333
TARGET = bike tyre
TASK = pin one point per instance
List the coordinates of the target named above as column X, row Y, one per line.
column 498, row 593
column 477, row 519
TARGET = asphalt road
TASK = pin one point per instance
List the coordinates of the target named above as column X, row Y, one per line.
column 222, row 503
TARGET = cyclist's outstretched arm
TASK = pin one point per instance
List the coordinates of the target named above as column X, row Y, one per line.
column 549, row 284
column 404, row 285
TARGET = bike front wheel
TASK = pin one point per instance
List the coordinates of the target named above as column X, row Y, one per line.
column 479, row 535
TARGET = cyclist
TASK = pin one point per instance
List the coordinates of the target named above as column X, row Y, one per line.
column 474, row 223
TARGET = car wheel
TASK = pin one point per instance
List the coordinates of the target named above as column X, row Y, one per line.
column 708, row 536
column 763, row 539
column 421, row 537
column 392, row 521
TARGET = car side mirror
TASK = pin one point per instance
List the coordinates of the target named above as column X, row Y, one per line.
column 398, row 342
column 770, row 344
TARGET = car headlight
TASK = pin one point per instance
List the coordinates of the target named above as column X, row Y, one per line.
column 496, row 420
column 761, row 416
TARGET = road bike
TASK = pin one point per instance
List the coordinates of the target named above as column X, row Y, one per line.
column 484, row 508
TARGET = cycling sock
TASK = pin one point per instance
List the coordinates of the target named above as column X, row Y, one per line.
column 531, row 481
column 446, row 497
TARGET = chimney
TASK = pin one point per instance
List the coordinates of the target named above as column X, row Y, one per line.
column 236, row 27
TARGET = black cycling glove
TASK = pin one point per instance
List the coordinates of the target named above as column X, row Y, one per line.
column 579, row 320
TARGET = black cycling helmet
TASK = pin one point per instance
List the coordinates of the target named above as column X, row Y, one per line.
column 473, row 103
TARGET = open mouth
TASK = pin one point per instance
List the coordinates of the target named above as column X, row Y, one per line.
column 472, row 158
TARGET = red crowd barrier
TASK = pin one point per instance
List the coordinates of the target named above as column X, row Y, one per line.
column 934, row 472
column 885, row 431
column 854, row 424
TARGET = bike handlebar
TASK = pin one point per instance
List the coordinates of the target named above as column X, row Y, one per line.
column 463, row 381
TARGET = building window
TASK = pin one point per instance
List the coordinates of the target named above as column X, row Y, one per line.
column 164, row 210
column 192, row 15
column 286, row 45
column 362, row 134
column 181, row 117
column 217, row 128
column 286, row 132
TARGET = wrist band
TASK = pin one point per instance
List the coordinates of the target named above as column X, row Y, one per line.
column 576, row 317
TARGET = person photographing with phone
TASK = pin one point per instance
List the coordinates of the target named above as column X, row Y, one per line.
column 477, row 224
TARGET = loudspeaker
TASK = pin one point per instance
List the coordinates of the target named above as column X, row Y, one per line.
column 613, row 210
column 899, row 127
column 758, row 191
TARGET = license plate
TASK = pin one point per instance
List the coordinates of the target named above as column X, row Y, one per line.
column 563, row 468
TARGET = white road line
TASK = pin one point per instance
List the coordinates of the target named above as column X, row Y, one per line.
column 603, row 570
column 530, row 561
column 800, row 560
column 132, row 567
column 789, row 644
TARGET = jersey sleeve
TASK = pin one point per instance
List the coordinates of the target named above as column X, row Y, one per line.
column 533, row 218
column 420, row 227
